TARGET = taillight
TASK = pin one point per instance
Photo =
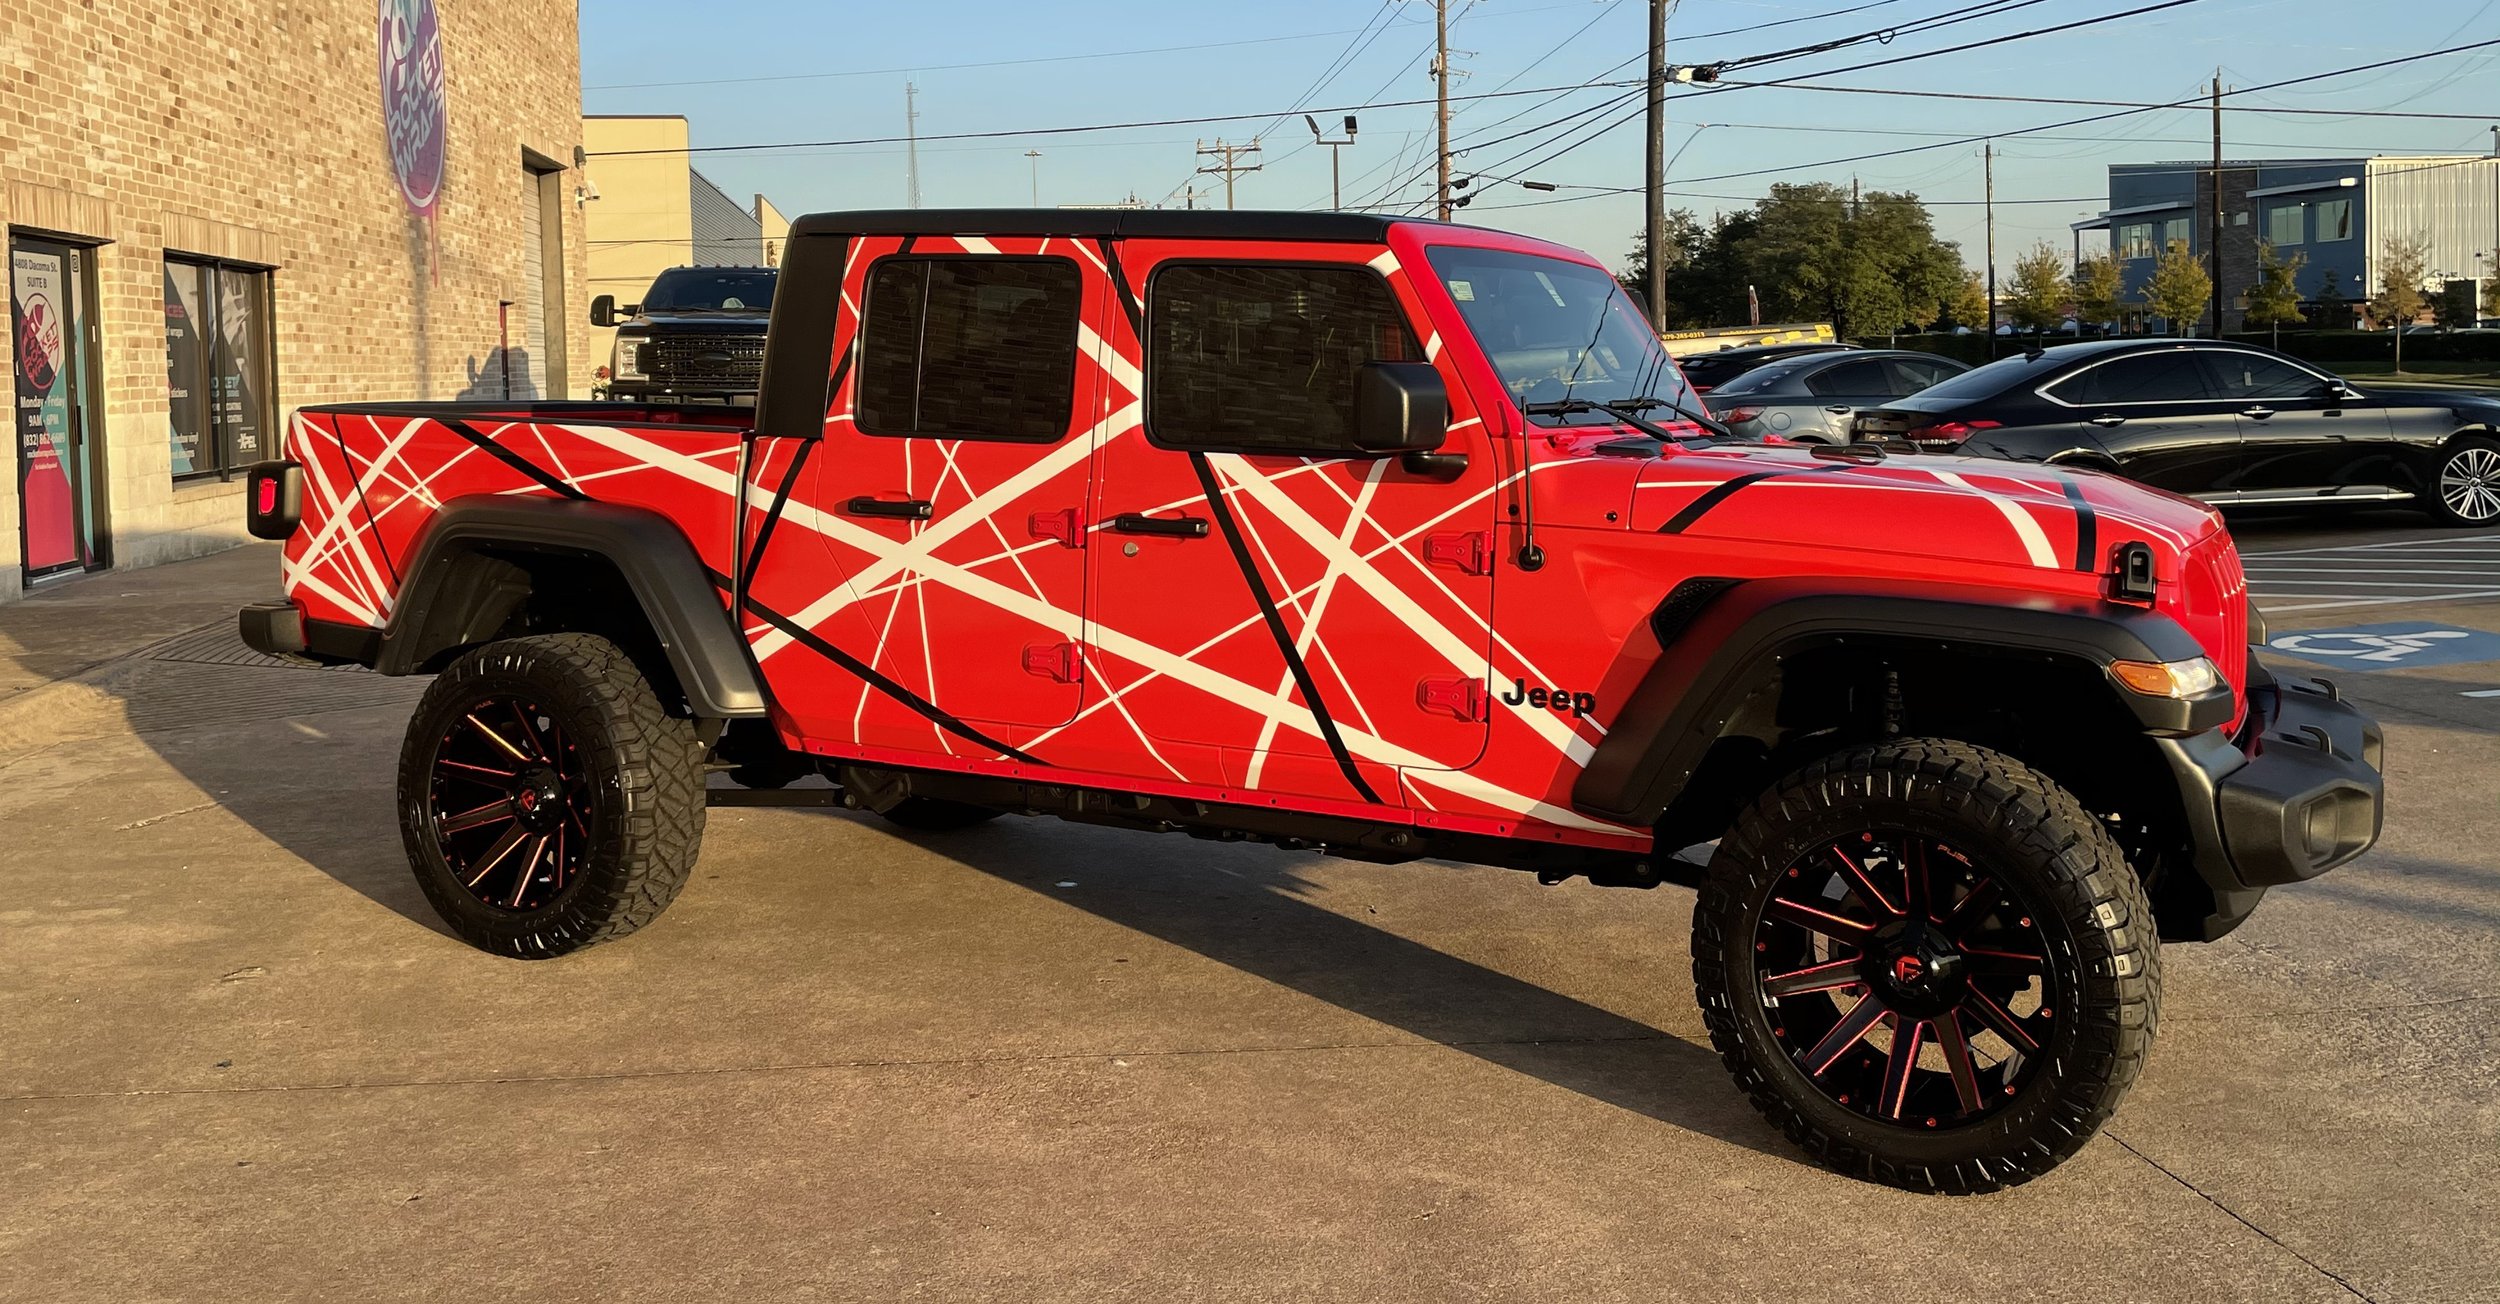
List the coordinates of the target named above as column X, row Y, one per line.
column 1736, row 416
column 1946, row 432
column 274, row 503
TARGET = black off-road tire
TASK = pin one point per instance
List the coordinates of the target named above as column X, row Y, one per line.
column 938, row 815
column 640, row 786
column 2095, row 924
column 2465, row 486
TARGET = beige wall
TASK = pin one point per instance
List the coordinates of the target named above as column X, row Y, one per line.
column 253, row 130
column 643, row 222
column 776, row 231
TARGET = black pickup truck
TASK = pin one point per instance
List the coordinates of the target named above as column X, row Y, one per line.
column 698, row 333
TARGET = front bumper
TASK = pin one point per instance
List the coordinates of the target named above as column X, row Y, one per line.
column 2296, row 793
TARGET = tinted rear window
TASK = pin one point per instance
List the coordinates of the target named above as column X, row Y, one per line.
column 1989, row 380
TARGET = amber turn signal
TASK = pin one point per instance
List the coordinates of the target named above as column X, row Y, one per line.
column 2178, row 679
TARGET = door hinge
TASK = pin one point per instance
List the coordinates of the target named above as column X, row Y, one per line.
column 1471, row 554
column 1464, row 699
column 1067, row 525
column 1064, row 662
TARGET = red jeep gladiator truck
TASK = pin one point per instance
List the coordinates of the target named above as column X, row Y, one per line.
column 1391, row 539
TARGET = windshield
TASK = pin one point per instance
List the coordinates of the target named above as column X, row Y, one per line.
column 1558, row 330
column 707, row 289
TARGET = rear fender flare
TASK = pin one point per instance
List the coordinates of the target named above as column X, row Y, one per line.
column 1712, row 663
column 459, row 590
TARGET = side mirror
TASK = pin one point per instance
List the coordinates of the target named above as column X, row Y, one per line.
column 603, row 311
column 1399, row 407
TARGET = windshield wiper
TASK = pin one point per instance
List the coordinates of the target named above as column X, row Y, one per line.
column 1629, row 411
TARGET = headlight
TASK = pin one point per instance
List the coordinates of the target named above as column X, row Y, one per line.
column 629, row 359
column 2174, row 679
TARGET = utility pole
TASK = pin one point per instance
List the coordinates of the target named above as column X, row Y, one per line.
column 1441, row 107
column 1036, row 156
column 1656, row 183
column 1336, row 148
column 1988, row 170
column 1229, row 168
column 2214, row 255
column 911, row 146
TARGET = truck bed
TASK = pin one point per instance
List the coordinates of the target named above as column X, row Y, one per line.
column 376, row 473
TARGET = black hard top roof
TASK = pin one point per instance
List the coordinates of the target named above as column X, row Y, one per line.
column 1103, row 223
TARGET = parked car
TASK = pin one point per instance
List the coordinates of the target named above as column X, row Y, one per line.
column 1030, row 519
column 2232, row 424
column 697, row 334
column 1814, row 398
column 1707, row 371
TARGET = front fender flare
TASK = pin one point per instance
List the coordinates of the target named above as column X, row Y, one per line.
column 1711, row 662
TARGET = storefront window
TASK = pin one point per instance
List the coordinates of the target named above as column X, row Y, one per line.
column 220, row 383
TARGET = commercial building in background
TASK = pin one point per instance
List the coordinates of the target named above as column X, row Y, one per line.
column 218, row 212
column 2339, row 212
column 654, row 212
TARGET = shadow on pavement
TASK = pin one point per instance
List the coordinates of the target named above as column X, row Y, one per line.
column 1243, row 907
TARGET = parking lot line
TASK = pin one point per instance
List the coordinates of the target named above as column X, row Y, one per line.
column 2329, row 577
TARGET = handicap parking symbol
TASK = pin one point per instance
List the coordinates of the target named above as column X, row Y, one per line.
column 2389, row 646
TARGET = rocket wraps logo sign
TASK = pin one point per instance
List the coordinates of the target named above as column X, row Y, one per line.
column 411, row 43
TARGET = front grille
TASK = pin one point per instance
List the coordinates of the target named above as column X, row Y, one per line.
column 2217, row 605
column 727, row 363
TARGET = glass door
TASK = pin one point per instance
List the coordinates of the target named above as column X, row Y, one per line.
column 51, row 300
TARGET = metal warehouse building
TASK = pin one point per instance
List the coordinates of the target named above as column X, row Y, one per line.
column 2340, row 212
column 218, row 211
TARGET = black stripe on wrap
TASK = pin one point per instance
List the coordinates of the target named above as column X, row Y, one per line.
column 2087, row 529
column 1128, row 297
column 1719, row 493
column 935, row 714
column 509, row 458
column 1223, row 513
column 772, row 515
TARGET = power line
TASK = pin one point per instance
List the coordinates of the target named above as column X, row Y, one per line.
column 1202, row 120
column 986, row 63
column 1886, row 35
column 2111, row 104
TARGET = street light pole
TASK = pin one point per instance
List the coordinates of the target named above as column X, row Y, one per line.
column 1036, row 156
column 1336, row 188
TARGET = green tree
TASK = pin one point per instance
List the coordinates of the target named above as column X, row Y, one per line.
column 2491, row 288
column 2402, row 263
column 2333, row 311
column 1870, row 265
column 2274, row 302
column 2179, row 289
column 2454, row 305
column 1967, row 305
column 2037, row 299
column 2098, row 291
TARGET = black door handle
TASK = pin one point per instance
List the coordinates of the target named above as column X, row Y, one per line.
column 1179, row 527
column 909, row 509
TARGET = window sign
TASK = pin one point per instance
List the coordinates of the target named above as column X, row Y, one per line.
column 219, row 397
column 186, row 373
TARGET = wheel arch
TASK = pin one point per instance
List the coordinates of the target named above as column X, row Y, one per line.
column 1760, row 678
column 490, row 567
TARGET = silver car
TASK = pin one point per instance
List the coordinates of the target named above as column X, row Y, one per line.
column 1812, row 399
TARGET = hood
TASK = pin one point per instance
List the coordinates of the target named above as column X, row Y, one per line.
column 697, row 323
column 1970, row 509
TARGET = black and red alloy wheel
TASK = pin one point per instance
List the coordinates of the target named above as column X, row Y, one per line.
column 511, row 804
column 1906, row 982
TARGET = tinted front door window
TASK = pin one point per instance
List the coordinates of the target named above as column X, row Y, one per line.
column 1257, row 358
column 2292, row 435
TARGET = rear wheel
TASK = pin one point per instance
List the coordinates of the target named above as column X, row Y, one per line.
column 2466, row 492
column 1928, row 965
column 547, row 799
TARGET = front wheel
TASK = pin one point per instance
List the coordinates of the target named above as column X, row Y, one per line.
column 548, row 800
column 1928, row 965
column 2466, row 492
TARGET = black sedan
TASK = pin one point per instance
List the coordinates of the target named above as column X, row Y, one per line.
column 1813, row 399
column 2232, row 424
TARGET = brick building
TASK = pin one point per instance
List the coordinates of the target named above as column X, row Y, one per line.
column 218, row 211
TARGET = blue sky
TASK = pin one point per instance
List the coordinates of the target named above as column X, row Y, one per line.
column 774, row 71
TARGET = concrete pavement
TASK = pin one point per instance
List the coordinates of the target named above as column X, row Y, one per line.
column 1040, row 1061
